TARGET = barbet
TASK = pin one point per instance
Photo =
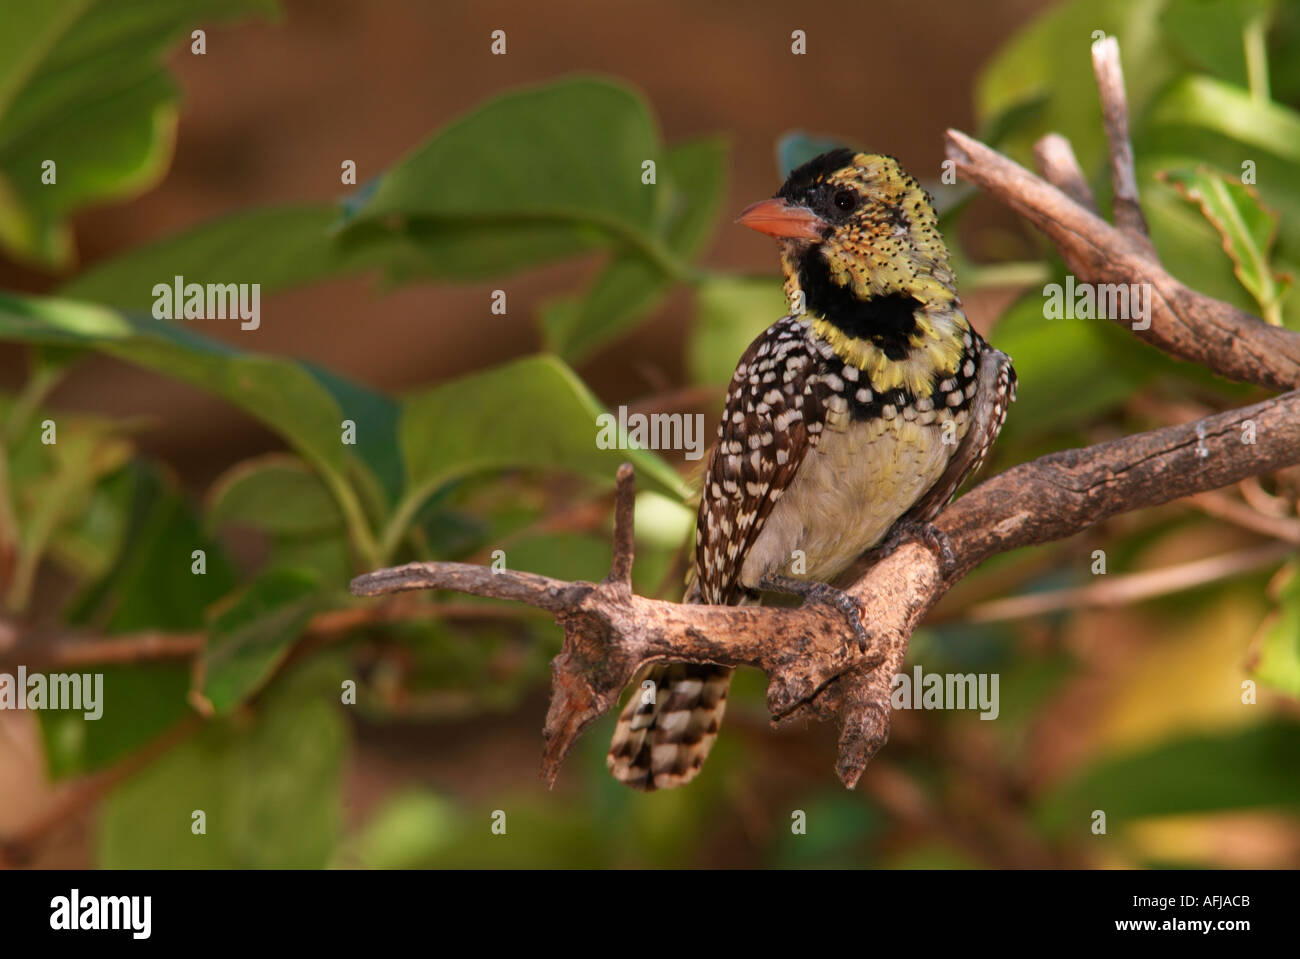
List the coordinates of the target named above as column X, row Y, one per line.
column 849, row 422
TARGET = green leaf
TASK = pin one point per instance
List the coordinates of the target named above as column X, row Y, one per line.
column 86, row 450
column 569, row 151
column 151, row 585
column 276, row 247
column 82, row 84
column 269, row 790
column 87, row 544
column 282, row 393
column 1278, row 664
column 276, row 493
column 532, row 413
column 632, row 284
column 573, row 326
column 140, row 702
column 1246, row 227
column 1247, row 769
column 1210, row 33
column 1069, row 370
column 730, row 312
column 1042, row 78
column 251, row 637
column 1231, row 112
column 529, row 177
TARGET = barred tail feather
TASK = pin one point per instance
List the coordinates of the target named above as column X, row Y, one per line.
column 661, row 741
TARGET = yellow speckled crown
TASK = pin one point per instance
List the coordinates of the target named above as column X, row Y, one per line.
column 878, row 287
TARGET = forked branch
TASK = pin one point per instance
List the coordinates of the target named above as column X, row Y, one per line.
column 813, row 667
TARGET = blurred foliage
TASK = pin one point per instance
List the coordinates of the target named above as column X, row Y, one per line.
column 501, row 464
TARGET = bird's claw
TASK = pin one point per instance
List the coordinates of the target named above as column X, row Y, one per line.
column 852, row 609
column 825, row 595
column 905, row 531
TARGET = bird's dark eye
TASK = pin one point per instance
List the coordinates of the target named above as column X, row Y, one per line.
column 845, row 200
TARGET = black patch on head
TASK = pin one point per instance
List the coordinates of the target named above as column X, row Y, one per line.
column 885, row 321
column 803, row 178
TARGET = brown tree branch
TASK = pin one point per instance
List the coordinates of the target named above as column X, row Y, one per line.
column 813, row 669
column 1125, row 206
column 1183, row 323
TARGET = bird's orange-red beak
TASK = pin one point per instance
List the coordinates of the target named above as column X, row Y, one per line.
column 781, row 218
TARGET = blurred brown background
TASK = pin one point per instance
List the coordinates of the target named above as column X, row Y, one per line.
column 273, row 109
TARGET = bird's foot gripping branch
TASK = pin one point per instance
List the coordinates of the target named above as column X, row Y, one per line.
column 610, row 632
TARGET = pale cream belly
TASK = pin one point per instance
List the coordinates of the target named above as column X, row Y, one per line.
column 846, row 495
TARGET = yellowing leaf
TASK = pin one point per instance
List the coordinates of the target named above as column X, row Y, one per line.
column 1247, row 227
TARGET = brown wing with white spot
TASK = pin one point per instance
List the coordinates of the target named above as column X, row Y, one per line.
column 995, row 393
column 773, row 417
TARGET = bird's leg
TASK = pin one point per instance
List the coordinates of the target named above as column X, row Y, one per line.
column 914, row 530
column 827, row 595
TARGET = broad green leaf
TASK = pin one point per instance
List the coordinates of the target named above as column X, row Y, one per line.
column 140, row 702
column 87, row 544
column 1248, row 769
column 625, row 290
column 1246, row 227
column 281, row 496
column 251, row 637
column 326, row 555
column 1278, row 664
column 52, row 484
column 82, row 84
column 529, row 177
column 1189, row 246
column 282, row 393
column 276, row 493
column 1043, row 76
column 424, row 248
column 730, row 312
column 1168, row 147
column 569, row 151
column 1210, row 33
column 1231, row 112
column 633, row 283
column 533, row 413
column 1068, row 369
column 276, row 247
column 151, row 585
column 269, row 790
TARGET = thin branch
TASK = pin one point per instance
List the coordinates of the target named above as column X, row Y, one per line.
column 47, row 647
column 1113, row 591
column 1224, row 507
column 624, row 543
column 1182, row 322
column 1055, row 160
column 1125, row 206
